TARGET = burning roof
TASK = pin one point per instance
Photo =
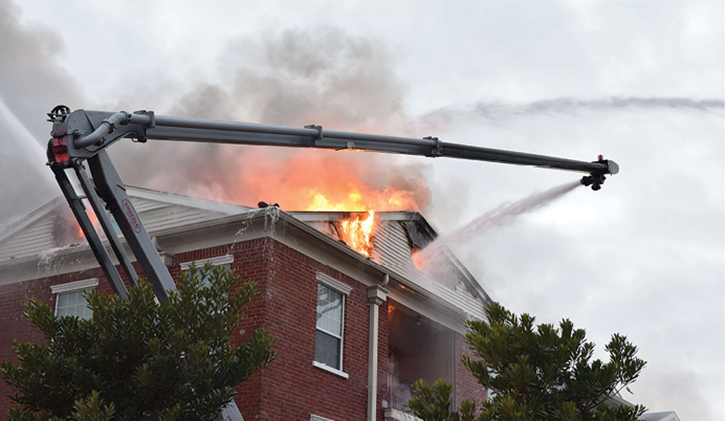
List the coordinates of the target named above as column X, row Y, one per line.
column 393, row 237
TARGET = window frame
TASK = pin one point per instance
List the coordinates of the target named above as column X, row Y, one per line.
column 75, row 286
column 315, row 417
column 226, row 259
column 344, row 290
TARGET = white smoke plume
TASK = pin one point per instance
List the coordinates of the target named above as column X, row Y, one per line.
column 31, row 84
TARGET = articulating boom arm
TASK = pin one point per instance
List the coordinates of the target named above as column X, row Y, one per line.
column 82, row 135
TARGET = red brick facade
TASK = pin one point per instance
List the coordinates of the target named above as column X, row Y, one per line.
column 465, row 384
column 291, row 388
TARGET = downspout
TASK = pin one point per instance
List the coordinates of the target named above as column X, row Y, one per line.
column 376, row 296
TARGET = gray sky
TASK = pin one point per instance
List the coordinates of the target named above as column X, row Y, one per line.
column 641, row 82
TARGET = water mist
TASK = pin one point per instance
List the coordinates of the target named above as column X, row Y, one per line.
column 429, row 259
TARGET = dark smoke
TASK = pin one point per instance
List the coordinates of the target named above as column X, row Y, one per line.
column 297, row 77
column 31, row 81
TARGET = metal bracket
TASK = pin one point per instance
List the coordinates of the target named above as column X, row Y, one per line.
column 436, row 150
column 141, row 135
column 319, row 133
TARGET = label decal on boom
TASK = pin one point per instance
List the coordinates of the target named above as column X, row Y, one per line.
column 131, row 216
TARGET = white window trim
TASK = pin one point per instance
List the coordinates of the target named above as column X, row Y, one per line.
column 345, row 290
column 74, row 286
column 314, row 417
column 333, row 283
column 81, row 285
column 214, row 261
column 332, row 370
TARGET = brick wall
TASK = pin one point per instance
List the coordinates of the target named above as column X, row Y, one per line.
column 291, row 388
column 13, row 325
column 466, row 385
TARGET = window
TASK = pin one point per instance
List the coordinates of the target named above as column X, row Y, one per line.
column 330, row 306
column 225, row 261
column 330, row 323
column 70, row 300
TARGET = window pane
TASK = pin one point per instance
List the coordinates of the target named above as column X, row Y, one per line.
column 329, row 310
column 72, row 298
column 327, row 350
column 62, row 300
column 73, row 304
column 87, row 312
column 328, row 345
column 206, row 280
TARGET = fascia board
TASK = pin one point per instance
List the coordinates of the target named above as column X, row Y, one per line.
column 72, row 260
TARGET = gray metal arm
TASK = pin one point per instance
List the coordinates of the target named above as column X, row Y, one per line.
column 221, row 131
column 82, row 136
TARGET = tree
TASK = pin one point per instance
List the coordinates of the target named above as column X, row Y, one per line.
column 535, row 374
column 138, row 359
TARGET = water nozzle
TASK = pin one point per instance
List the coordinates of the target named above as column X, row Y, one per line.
column 594, row 180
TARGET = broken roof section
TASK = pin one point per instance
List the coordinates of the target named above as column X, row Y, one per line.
column 51, row 231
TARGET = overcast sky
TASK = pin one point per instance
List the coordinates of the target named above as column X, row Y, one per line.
column 641, row 82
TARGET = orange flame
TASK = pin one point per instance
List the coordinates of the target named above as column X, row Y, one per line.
column 94, row 220
column 359, row 198
column 357, row 233
column 314, row 180
column 324, row 181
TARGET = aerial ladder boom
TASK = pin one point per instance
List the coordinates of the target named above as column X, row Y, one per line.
column 80, row 138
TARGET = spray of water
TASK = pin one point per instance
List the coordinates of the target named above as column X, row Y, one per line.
column 26, row 183
column 428, row 260
column 19, row 132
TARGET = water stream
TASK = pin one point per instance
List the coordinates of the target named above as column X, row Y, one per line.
column 428, row 259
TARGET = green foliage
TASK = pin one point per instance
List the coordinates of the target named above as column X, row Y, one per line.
column 536, row 373
column 434, row 403
column 138, row 359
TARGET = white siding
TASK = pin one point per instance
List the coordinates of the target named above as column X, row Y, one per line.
column 36, row 239
column 30, row 241
column 393, row 251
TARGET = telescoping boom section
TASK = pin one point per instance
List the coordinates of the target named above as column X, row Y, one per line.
column 80, row 138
